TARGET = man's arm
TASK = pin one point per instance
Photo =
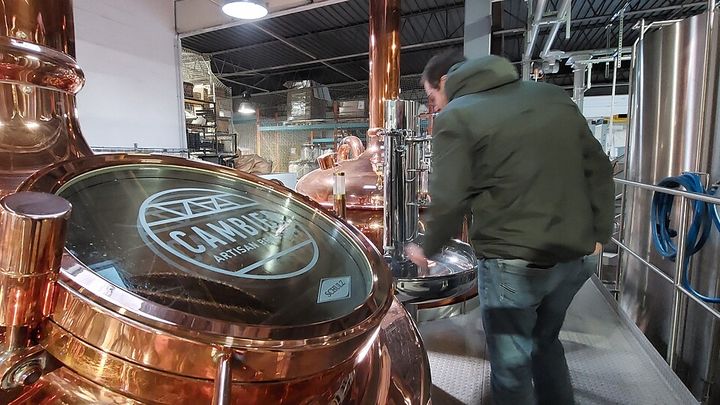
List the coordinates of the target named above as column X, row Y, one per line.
column 601, row 188
column 450, row 182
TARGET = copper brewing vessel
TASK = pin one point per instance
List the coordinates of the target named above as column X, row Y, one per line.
column 173, row 354
column 363, row 190
column 180, row 281
column 363, row 174
column 38, row 80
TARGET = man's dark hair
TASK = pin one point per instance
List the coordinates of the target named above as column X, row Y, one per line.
column 439, row 65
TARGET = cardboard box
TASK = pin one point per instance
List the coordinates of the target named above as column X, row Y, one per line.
column 352, row 109
column 223, row 125
column 188, row 90
column 307, row 100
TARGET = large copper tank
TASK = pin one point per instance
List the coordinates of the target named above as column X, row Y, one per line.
column 364, row 192
column 195, row 263
column 180, row 282
column 363, row 176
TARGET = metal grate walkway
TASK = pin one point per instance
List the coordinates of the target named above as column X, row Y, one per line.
column 610, row 360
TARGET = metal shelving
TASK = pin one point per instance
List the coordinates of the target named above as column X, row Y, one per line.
column 206, row 141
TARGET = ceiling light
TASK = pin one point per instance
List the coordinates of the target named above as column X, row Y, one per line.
column 245, row 9
column 246, row 108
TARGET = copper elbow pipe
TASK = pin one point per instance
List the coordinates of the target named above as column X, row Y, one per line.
column 354, row 145
column 343, row 152
column 32, row 238
column 326, row 161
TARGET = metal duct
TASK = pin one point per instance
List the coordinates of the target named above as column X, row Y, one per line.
column 579, row 87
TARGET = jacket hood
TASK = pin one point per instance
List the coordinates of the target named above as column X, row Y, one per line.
column 476, row 75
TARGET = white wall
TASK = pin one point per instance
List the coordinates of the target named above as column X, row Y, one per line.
column 127, row 50
column 599, row 106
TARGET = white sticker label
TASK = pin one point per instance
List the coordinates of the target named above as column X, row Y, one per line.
column 334, row 289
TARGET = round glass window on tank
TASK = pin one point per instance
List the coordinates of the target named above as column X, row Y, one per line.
column 214, row 246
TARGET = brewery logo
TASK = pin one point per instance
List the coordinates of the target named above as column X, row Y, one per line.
column 227, row 233
column 334, row 289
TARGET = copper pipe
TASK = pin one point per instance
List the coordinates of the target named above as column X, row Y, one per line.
column 32, row 237
column 355, row 146
column 343, row 152
column 45, row 23
column 384, row 56
column 223, row 381
column 326, row 161
column 38, row 82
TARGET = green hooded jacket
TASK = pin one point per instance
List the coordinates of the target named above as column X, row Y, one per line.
column 521, row 158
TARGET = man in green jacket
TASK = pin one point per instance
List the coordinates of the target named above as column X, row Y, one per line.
column 518, row 156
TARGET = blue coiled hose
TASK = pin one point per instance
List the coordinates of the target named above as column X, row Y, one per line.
column 704, row 215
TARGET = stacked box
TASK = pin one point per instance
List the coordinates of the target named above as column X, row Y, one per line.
column 223, row 125
column 352, row 109
column 307, row 100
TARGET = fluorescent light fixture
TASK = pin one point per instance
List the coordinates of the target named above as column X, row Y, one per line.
column 245, row 9
column 246, row 108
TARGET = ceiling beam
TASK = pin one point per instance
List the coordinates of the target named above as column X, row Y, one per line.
column 302, row 50
column 340, row 58
column 343, row 84
column 236, row 82
column 247, row 85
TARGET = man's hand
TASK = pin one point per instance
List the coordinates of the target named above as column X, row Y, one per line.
column 598, row 248
column 416, row 255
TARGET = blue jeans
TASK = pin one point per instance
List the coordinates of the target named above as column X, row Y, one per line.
column 523, row 310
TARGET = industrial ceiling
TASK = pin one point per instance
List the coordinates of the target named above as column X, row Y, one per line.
column 329, row 44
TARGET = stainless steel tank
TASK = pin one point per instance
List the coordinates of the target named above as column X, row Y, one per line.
column 673, row 113
column 453, row 271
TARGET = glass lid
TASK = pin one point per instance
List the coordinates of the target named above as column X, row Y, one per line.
column 214, row 246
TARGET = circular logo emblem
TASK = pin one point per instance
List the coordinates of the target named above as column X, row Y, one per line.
column 227, row 233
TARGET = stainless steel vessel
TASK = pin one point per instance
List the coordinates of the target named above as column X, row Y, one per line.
column 673, row 130
column 451, row 272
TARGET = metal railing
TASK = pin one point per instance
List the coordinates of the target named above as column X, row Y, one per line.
column 136, row 149
column 678, row 289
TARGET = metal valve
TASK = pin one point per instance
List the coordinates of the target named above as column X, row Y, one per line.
column 32, row 239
